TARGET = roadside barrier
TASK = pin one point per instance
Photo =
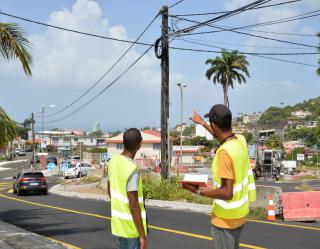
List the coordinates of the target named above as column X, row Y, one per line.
column 301, row 206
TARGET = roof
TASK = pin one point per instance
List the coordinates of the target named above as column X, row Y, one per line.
column 148, row 136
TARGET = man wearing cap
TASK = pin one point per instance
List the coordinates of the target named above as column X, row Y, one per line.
column 233, row 182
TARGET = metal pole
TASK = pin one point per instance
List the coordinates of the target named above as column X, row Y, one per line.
column 181, row 120
column 32, row 130
column 164, row 93
column 42, row 127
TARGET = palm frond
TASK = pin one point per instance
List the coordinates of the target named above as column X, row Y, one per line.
column 8, row 128
column 14, row 44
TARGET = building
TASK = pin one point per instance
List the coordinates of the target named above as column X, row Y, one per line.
column 246, row 119
column 97, row 126
column 301, row 114
column 150, row 148
column 190, row 155
column 289, row 146
column 264, row 134
column 202, row 132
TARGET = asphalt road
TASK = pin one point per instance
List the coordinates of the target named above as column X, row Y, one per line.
column 86, row 224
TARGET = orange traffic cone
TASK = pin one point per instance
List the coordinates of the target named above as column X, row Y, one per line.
column 271, row 213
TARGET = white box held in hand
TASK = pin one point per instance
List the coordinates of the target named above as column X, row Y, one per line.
column 197, row 180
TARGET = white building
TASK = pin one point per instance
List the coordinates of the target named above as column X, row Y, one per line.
column 202, row 132
column 150, row 148
column 190, row 154
column 301, row 114
column 97, row 126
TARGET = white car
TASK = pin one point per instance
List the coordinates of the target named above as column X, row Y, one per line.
column 77, row 170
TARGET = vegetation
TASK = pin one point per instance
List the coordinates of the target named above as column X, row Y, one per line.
column 14, row 44
column 8, row 128
column 310, row 136
column 274, row 142
column 227, row 69
column 90, row 179
column 114, row 133
column 248, row 136
column 97, row 150
column 189, row 130
column 96, row 134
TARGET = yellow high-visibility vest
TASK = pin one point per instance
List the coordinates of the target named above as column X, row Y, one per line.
column 244, row 190
column 122, row 224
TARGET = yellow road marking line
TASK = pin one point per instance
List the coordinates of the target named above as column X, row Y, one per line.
column 109, row 218
column 10, row 191
column 64, row 243
column 285, row 225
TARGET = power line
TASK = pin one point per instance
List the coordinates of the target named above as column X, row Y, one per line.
column 231, row 13
column 103, row 90
column 277, row 21
column 262, row 55
column 279, row 33
column 107, row 72
column 175, row 4
column 243, row 33
column 244, row 45
column 228, row 11
column 246, row 53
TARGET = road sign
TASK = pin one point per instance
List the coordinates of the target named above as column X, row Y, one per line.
column 105, row 156
column 63, row 167
column 51, row 166
column 300, row 157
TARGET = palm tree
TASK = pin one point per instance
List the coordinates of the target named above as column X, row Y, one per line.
column 226, row 69
column 14, row 44
column 8, row 128
column 318, row 70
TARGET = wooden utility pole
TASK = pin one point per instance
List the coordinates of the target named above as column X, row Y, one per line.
column 165, row 140
column 32, row 130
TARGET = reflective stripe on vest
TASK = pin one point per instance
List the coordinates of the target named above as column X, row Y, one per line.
column 122, row 224
column 244, row 186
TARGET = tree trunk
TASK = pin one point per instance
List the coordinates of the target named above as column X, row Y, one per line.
column 225, row 95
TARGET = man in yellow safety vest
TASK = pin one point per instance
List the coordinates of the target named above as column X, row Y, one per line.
column 233, row 182
column 128, row 213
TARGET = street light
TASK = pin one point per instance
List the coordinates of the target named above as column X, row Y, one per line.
column 181, row 86
column 43, row 107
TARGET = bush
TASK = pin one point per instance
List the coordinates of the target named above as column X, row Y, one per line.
column 169, row 190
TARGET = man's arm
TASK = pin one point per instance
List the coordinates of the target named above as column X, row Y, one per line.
column 136, row 215
column 196, row 118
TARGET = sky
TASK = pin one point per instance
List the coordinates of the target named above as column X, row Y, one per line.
column 65, row 64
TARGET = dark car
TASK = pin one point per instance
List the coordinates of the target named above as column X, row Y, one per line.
column 52, row 159
column 29, row 181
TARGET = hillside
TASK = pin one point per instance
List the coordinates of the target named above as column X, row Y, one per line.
column 278, row 114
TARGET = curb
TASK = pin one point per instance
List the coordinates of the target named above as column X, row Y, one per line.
column 13, row 237
column 174, row 205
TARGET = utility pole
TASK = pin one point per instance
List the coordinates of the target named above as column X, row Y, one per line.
column 42, row 127
column 32, row 130
column 165, row 139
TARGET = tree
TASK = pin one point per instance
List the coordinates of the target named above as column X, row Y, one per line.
column 274, row 142
column 8, row 128
column 96, row 134
column 318, row 70
column 14, row 44
column 226, row 69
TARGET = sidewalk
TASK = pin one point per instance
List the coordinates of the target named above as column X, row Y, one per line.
column 13, row 237
column 69, row 191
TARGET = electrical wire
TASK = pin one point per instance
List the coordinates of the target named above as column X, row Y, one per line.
column 102, row 91
column 236, row 11
column 228, row 11
column 243, row 33
column 248, row 53
column 106, row 73
column 175, row 4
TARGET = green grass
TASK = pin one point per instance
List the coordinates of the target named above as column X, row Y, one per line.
column 257, row 213
column 305, row 187
column 90, row 179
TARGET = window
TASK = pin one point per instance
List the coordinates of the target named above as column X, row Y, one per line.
column 76, row 139
column 119, row 146
column 91, row 140
column 156, row 146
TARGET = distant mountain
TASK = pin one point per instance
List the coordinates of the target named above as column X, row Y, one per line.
column 277, row 114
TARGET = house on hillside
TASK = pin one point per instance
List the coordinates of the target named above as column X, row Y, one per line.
column 301, row 114
column 289, row 146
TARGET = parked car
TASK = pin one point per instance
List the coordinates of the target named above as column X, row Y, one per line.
column 29, row 181
column 21, row 153
column 29, row 150
column 77, row 170
column 52, row 159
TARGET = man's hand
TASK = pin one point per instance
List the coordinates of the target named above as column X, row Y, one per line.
column 191, row 188
column 196, row 118
column 143, row 243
